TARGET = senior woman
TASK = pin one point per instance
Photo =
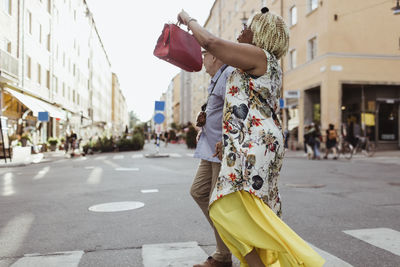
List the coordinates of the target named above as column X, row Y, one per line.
column 245, row 205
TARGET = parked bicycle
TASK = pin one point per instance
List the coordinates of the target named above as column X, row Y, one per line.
column 345, row 148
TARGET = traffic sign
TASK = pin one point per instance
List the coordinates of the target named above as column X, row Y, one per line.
column 159, row 118
column 43, row 116
column 159, row 106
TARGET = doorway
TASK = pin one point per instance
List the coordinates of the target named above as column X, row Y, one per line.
column 388, row 116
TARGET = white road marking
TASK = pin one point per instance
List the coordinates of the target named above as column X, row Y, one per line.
column 172, row 254
column 190, row 155
column 118, row 157
column 112, row 164
column 145, row 191
column 13, row 234
column 89, row 167
column 137, row 156
column 383, row 238
column 83, row 158
column 330, row 260
column 126, row 169
column 100, row 158
column 41, row 173
column 175, row 155
column 95, row 176
column 117, row 206
column 61, row 259
column 8, row 185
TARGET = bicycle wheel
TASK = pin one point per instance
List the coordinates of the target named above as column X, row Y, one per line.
column 370, row 149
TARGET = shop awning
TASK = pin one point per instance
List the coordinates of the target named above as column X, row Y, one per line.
column 37, row 105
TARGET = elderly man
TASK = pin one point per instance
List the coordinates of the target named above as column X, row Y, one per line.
column 210, row 165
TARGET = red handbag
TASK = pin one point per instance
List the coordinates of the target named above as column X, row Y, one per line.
column 179, row 48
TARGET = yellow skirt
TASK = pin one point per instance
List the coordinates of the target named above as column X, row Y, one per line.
column 245, row 222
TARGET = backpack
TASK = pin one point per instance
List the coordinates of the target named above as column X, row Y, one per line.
column 332, row 135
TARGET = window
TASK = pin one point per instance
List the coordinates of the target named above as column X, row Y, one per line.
column 48, row 79
column 6, row 46
column 63, row 59
column 73, row 96
column 39, row 74
column 40, row 33
column 55, row 83
column 69, row 93
column 74, row 70
column 29, row 16
column 8, row 6
column 63, row 91
column 311, row 5
column 293, row 15
column 29, row 67
column 74, row 14
column 293, row 59
column 48, row 42
column 49, row 6
column 312, row 48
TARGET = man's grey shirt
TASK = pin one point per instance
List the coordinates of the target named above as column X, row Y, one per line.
column 212, row 130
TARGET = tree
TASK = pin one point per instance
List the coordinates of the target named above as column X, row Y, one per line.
column 133, row 119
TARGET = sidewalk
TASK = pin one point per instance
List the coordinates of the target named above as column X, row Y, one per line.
column 33, row 159
column 378, row 154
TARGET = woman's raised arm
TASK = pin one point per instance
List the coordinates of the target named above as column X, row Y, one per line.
column 244, row 56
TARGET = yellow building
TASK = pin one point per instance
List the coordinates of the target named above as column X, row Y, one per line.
column 119, row 113
column 343, row 62
column 176, row 100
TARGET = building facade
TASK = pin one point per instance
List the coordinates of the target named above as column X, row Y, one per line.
column 119, row 114
column 343, row 67
column 176, row 99
column 52, row 60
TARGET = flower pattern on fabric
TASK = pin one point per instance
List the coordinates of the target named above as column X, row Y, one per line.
column 252, row 139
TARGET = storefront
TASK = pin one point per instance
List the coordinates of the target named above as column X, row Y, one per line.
column 21, row 111
column 373, row 111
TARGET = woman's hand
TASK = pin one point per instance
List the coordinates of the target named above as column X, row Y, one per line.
column 183, row 17
column 218, row 150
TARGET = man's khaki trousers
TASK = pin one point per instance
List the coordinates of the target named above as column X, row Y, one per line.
column 202, row 187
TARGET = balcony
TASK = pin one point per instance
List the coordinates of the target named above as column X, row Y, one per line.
column 8, row 67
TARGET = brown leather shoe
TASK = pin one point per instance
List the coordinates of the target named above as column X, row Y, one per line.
column 210, row 262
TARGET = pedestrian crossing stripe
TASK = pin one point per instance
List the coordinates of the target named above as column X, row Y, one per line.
column 137, row 156
column 175, row 155
column 61, row 259
column 172, row 254
column 189, row 253
column 384, row 238
column 330, row 260
column 118, row 157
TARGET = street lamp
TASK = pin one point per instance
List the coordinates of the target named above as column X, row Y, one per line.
column 396, row 9
column 244, row 18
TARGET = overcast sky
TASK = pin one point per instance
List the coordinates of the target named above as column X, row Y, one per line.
column 129, row 31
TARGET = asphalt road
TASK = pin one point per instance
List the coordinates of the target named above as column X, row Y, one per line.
column 44, row 208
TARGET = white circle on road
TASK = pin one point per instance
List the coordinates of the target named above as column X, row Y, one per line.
column 116, row 206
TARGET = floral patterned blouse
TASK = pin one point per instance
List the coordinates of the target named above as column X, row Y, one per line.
column 252, row 139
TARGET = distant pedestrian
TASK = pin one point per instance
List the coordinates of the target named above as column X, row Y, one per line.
column 331, row 141
column 245, row 203
column 166, row 140
column 287, row 136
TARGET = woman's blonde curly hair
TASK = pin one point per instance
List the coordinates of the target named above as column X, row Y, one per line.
column 270, row 33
